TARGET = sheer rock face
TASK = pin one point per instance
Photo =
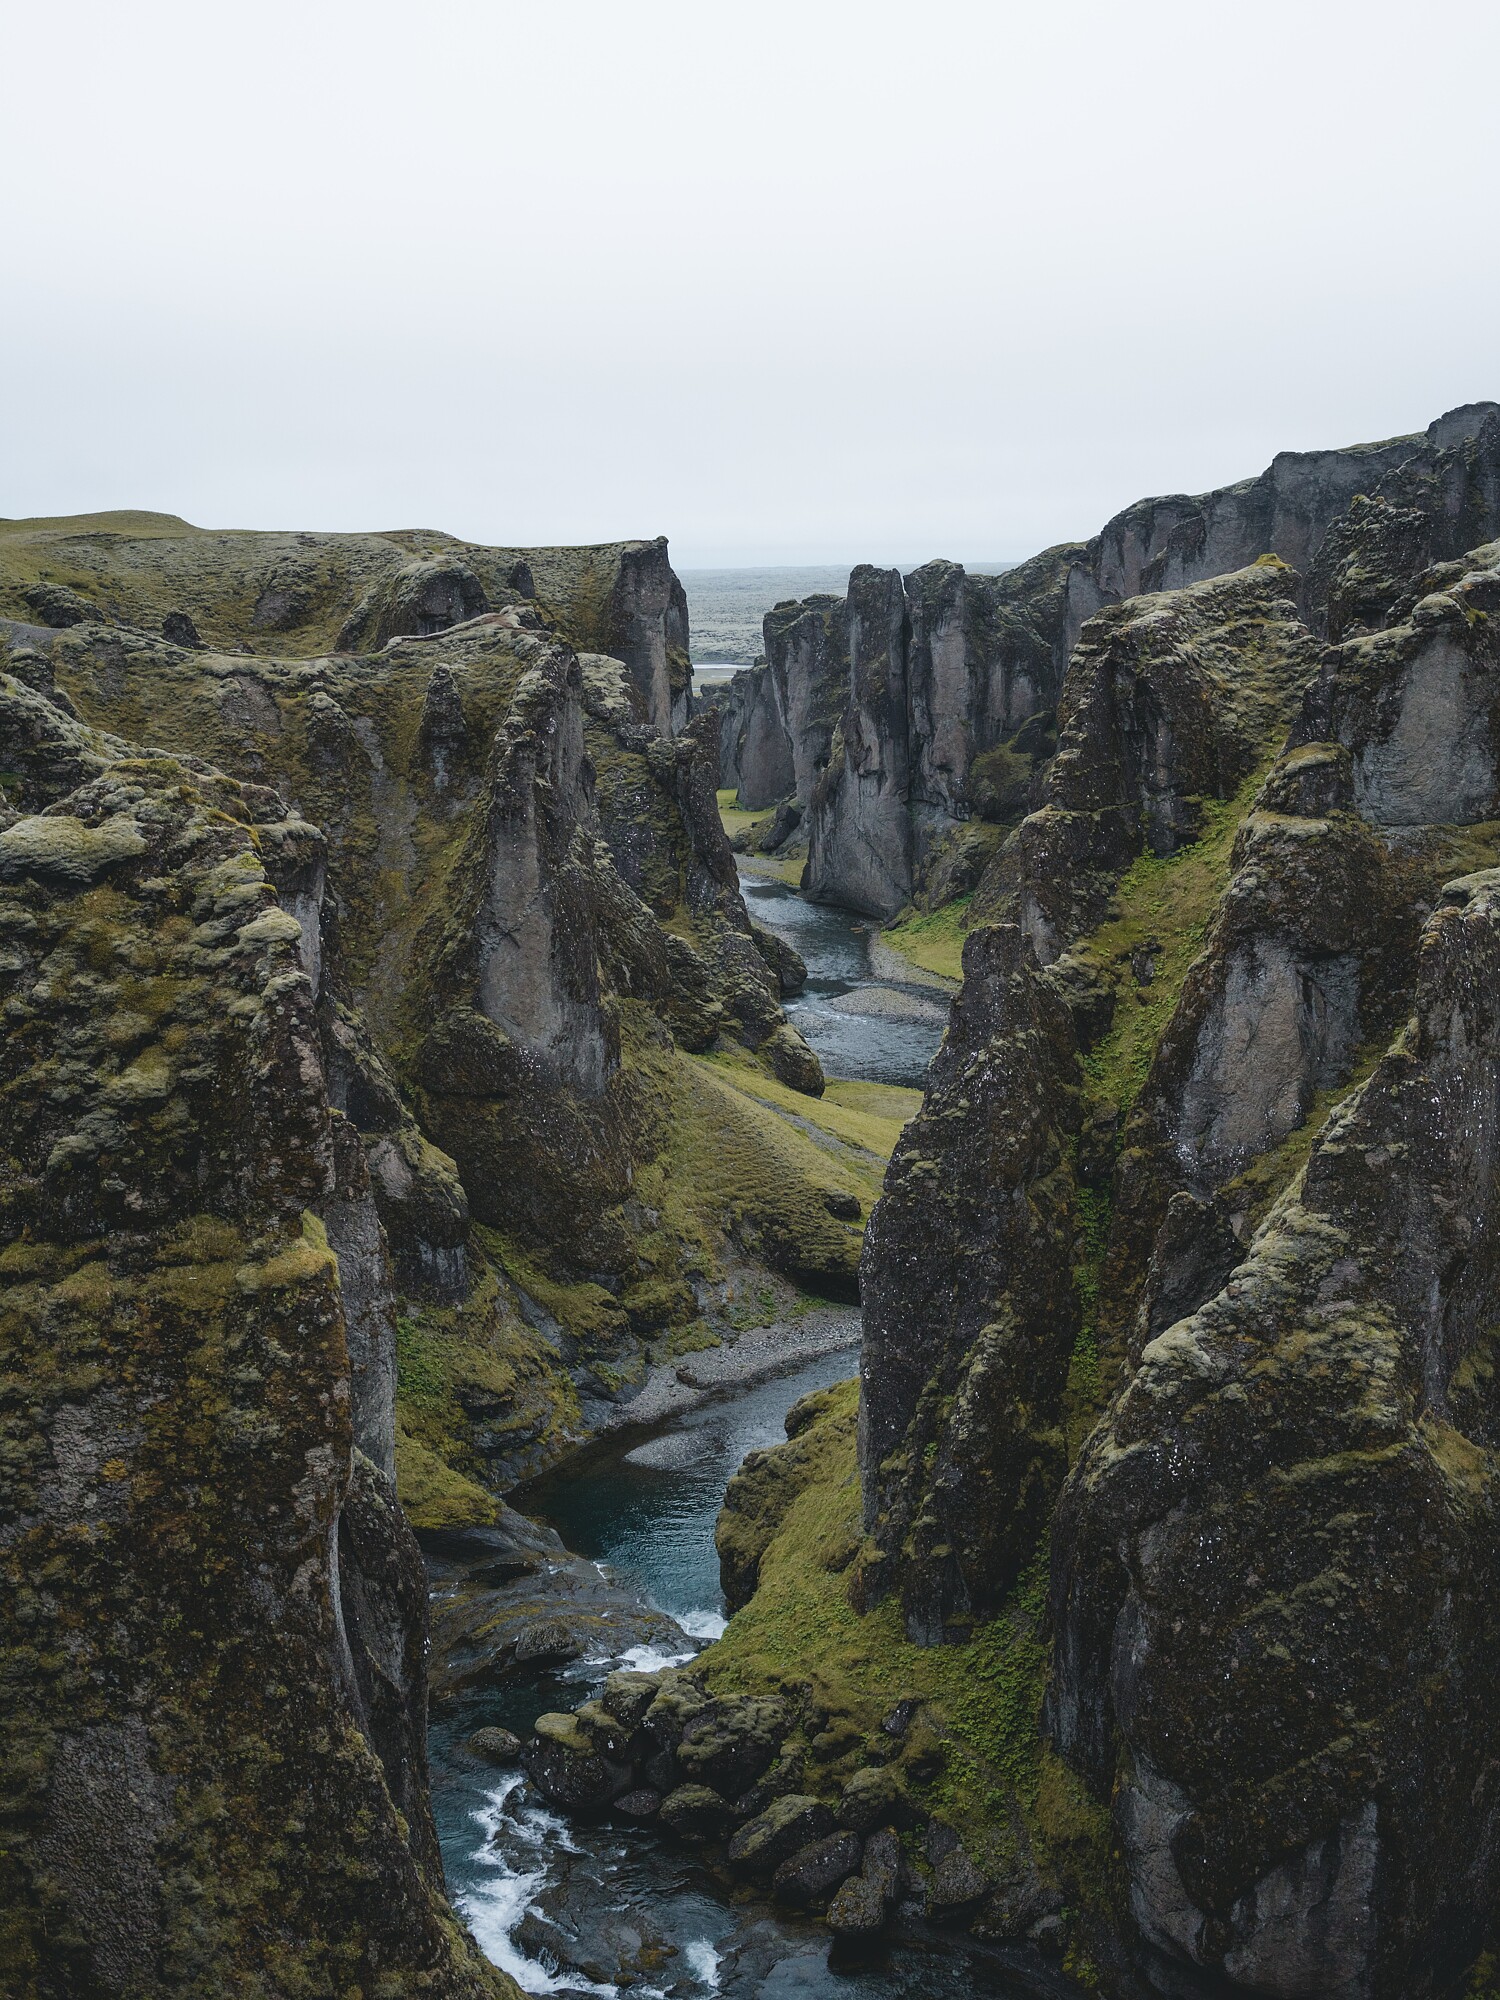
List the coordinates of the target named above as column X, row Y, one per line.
column 504, row 841
column 1275, row 1188
column 1170, row 700
column 1418, row 705
column 214, row 1619
column 1450, row 472
column 981, row 656
column 753, row 729
column 1307, row 1461
column 970, row 1314
column 861, row 851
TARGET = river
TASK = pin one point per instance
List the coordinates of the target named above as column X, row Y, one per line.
column 864, row 1011
column 599, row 1910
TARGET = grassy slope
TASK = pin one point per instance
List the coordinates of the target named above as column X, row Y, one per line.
column 933, row 940
column 973, row 1751
column 784, row 867
column 742, row 1157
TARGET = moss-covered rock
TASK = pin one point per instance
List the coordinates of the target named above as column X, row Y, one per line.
column 214, row 1634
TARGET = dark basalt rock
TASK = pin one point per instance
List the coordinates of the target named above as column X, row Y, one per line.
column 639, row 1805
column 863, row 1902
column 953, row 724
column 696, row 1812
column 1308, row 1458
column 808, row 1878
column 788, row 1824
column 179, row 630
column 970, row 1315
column 496, row 1746
column 56, row 605
column 196, row 1372
column 568, row 1769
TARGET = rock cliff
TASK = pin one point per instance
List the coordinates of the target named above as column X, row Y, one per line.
column 1176, row 1426
column 1206, row 1163
column 520, row 917
column 380, row 1017
column 299, row 595
column 215, row 1622
column 905, row 769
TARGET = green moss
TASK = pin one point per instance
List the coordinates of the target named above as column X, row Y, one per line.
column 786, row 865
column 934, row 941
column 453, row 1360
column 975, row 1755
column 433, row 1494
column 853, row 1122
column 733, row 1170
column 421, row 1378
column 1163, row 905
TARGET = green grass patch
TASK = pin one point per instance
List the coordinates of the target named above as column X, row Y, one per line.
column 1164, row 904
column 867, row 1118
column 934, row 940
column 975, row 1751
column 732, row 815
column 421, row 1376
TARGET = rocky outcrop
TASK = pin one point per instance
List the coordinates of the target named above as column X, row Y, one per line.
column 1308, row 1460
column 308, row 594
column 970, row 1313
column 861, row 835
column 959, row 727
column 517, row 910
column 756, row 750
column 777, row 718
column 1249, row 1245
column 1416, row 705
column 1170, row 701
column 215, row 1614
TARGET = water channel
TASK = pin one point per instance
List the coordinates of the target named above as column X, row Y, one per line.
column 606, row 1910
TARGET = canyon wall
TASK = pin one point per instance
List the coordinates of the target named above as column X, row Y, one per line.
column 354, row 1136
column 1140, row 1607
column 908, row 791
column 1181, row 1273
column 215, row 1618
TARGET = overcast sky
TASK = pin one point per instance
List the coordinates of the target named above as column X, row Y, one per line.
column 819, row 280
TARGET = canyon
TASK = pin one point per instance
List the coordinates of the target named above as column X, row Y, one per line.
column 400, row 1095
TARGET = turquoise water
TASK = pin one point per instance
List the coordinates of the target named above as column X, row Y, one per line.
column 850, row 1039
column 605, row 1911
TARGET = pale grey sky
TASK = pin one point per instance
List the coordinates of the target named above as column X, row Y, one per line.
column 794, row 280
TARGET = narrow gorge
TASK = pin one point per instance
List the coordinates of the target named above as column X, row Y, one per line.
column 834, row 1336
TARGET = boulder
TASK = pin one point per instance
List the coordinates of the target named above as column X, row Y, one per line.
column 809, row 1877
column 873, row 1797
column 730, row 1742
column 640, row 1804
column 628, row 1695
column 546, row 1642
column 763, row 1843
column 179, row 630
column 792, row 1062
column 956, row 1883
column 864, row 1901
column 496, row 1746
column 695, row 1812
column 567, row 1768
